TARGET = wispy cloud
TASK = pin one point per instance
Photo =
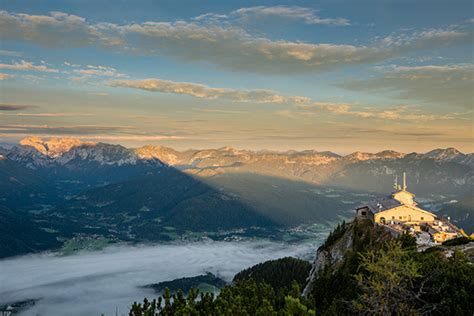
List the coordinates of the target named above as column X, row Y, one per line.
column 305, row 15
column 399, row 113
column 27, row 66
column 10, row 53
column 54, row 114
column 300, row 105
column 201, row 91
column 225, row 45
column 15, row 107
column 45, row 129
column 220, row 111
column 100, row 94
column 5, row 76
column 445, row 84
column 101, row 71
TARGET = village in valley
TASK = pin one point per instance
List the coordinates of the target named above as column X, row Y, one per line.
column 398, row 213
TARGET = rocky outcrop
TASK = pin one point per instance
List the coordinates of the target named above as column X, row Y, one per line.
column 331, row 254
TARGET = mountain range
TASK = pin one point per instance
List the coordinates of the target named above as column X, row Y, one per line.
column 449, row 169
column 71, row 188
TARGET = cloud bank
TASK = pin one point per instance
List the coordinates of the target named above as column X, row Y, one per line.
column 300, row 105
column 99, row 282
column 225, row 45
column 446, row 84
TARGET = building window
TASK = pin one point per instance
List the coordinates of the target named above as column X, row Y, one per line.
column 363, row 213
column 422, row 218
column 400, row 217
column 393, row 217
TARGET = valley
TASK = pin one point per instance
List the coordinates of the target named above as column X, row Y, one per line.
column 75, row 195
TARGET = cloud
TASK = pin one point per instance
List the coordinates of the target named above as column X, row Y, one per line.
column 57, row 29
column 91, row 70
column 79, row 79
column 201, row 91
column 399, row 113
column 10, row 53
column 45, row 129
column 301, row 106
column 90, row 132
column 54, row 114
column 100, row 94
column 5, row 76
column 70, row 64
column 306, row 15
column 95, row 283
column 447, row 84
column 99, row 72
column 220, row 111
column 140, row 138
column 27, row 66
column 223, row 44
column 15, row 107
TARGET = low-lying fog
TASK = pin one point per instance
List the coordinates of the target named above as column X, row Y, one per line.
column 92, row 283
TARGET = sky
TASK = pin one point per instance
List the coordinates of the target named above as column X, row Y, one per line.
column 326, row 75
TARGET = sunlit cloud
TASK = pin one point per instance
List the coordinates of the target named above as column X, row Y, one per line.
column 301, row 106
column 446, row 84
column 5, row 76
column 27, row 66
column 225, row 45
column 45, row 129
column 56, row 29
column 201, row 91
column 54, row 114
column 400, row 113
column 305, row 15
column 99, row 71
column 220, row 111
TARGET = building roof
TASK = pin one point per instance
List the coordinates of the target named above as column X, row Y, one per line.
column 387, row 203
column 404, row 191
column 383, row 204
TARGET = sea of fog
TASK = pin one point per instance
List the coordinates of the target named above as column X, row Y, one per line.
column 101, row 282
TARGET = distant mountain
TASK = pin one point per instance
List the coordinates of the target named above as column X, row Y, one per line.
column 158, row 193
column 72, row 153
column 461, row 212
column 147, row 206
column 441, row 171
column 19, row 234
column 84, row 165
column 71, row 165
column 19, row 185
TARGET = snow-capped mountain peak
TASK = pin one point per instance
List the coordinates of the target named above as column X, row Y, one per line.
column 53, row 147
